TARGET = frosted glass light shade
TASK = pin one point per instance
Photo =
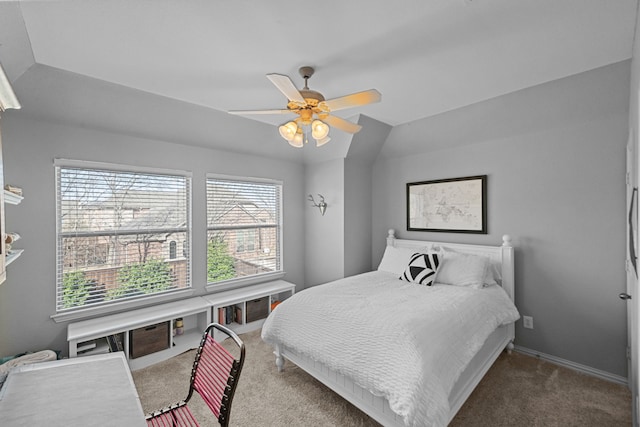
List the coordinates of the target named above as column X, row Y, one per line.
column 319, row 129
column 321, row 142
column 297, row 140
column 288, row 130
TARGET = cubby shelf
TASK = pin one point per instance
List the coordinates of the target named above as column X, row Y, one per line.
column 275, row 290
column 196, row 313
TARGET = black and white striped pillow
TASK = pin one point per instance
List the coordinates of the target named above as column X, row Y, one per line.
column 422, row 269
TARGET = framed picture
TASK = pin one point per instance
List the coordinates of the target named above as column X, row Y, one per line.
column 456, row 205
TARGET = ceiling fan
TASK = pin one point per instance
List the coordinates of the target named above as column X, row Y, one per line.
column 313, row 110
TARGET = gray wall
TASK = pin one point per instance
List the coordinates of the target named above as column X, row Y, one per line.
column 555, row 159
column 338, row 244
column 555, row 156
column 363, row 151
column 27, row 298
column 323, row 237
column 357, row 217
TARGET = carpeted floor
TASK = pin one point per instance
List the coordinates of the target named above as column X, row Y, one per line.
column 518, row 391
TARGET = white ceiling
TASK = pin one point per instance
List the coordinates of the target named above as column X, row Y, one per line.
column 425, row 57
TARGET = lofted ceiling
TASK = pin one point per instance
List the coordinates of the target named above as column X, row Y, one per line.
column 425, row 57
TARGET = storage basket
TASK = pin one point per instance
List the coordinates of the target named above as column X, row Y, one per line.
column 148, row 339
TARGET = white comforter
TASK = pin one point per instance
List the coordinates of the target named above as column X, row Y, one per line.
column 406, row 342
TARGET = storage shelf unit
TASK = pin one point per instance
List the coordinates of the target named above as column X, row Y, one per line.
column 11, row 199
column 195, row 312
column 277, row 290
column 88, row 337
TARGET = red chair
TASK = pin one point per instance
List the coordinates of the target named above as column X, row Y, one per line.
column 214, row 377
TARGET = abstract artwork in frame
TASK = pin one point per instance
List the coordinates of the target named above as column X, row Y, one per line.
column 456, row 205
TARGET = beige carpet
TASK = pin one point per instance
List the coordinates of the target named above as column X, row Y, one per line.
column 518, row 391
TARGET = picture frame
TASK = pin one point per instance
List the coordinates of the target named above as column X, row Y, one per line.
column 454, row 205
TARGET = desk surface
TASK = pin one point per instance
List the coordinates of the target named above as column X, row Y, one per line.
column 93, row 390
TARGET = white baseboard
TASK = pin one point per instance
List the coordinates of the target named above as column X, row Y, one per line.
column 575, row 366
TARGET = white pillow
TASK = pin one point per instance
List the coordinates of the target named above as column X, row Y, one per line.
column 461, row 269
column 493, row 274
column 395, row 260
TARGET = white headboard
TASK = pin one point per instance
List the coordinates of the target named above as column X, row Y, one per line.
column 500, row 255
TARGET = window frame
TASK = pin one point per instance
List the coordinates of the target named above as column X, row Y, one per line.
column 238, row 282
column 131, row 302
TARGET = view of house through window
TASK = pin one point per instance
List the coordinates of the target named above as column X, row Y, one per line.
column 243, row 228
column 118, row 233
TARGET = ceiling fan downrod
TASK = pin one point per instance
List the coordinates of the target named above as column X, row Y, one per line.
column 306, row 72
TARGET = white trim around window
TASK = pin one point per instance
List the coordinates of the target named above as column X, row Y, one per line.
column 114, row 226
column 236, row 204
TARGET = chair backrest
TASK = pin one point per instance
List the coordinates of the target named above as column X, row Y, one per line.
column 216, row 372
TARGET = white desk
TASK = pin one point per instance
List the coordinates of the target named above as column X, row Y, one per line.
column 85, row 391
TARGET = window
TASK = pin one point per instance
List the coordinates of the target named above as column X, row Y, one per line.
column 246, row 240
column 114, row 229
column 243, row 228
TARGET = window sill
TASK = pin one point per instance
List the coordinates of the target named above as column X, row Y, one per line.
column 245, row 281
column 88, row 312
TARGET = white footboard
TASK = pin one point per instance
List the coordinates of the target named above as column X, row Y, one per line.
column 498, row 341
column 377, row 407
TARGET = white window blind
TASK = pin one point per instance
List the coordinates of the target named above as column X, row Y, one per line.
column 244, row 225
column 117, row 234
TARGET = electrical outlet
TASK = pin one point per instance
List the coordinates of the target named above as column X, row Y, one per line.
column 527, row 322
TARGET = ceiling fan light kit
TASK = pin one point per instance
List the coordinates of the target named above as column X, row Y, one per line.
column 297, row 141
column 319, row 129
column 313, row 110
column 288, row 130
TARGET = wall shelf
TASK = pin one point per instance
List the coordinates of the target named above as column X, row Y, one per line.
column 13, row 255
column 12, row 198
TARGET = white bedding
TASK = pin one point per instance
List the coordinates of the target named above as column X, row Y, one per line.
column 406, row 342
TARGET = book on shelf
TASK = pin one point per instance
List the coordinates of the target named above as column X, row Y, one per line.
column 115, row 343
column 229, row 315
column 13, row 189
column 86, row 346
column 238, row 314
column 119, row 343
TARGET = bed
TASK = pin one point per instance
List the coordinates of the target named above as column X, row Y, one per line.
column 408, row 342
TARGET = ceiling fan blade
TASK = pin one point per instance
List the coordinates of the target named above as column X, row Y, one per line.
column 342, row 124
column 286, row 86
column 243, row 112
column 354, row 100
